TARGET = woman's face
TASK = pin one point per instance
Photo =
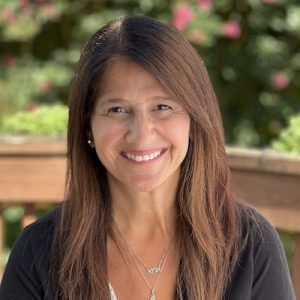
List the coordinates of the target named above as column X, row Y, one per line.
column 140, row 133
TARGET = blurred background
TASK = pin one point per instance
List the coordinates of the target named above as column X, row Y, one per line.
column 251, row 49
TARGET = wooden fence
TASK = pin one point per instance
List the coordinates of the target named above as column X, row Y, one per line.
column 32, row 172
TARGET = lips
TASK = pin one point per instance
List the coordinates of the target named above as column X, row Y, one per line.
column 142, row 156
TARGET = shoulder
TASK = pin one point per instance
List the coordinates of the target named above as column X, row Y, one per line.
column 255, row 226
column 261, row 271
column 45, row 223
column 26, row 273
column 34, row 243
column 40, row 232
column 261, row 241
column 259, row 235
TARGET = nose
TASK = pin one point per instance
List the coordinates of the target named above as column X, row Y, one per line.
column 140, row 128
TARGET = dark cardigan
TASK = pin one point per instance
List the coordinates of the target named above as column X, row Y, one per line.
column 260, row 274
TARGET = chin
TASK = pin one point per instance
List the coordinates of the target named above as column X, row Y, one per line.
column 146, row 186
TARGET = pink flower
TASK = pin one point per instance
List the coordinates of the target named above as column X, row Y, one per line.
column 182, row 16
column 280, row 81
column 231, row 29
column 8, row 15
column 205, row 5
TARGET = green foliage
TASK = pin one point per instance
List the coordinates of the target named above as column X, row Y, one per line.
column 289, row 138
column 252, row 56
column 22, row 20
column 13, row 213
column 250, row 48
column 43, row 120
column 34, row 82
column 288, row 239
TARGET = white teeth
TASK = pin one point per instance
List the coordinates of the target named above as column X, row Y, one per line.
column 139, row 158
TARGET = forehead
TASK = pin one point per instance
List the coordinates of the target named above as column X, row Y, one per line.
column 127, row 82
column 123, row 75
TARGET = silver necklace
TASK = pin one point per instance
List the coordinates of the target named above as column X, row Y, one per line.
column 157, row 269
column 150, row 270
column 152, row 289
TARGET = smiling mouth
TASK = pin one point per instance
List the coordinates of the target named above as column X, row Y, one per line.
column 143, row 158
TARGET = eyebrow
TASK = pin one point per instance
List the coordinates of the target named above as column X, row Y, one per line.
column 112, row 100
column 118, row 100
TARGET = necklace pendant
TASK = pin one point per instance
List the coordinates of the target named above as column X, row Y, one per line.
column 154, row 270
column 152, row 296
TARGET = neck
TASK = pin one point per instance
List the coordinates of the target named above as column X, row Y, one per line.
column 144, row 214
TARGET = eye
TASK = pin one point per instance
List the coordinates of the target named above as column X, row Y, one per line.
column 116, row 110
column 163, row 107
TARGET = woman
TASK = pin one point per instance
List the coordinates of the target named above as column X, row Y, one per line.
column 148, row 211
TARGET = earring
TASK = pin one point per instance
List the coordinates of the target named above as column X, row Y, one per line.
column 89, row 142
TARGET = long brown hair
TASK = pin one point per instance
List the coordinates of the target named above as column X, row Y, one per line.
column 208, row 221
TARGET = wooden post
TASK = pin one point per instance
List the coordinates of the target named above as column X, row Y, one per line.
column 296, row 266
column 29, row 215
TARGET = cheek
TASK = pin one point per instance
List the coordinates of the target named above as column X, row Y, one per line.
column 106, row 134
column 178, row 129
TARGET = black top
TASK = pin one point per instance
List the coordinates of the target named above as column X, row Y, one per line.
column 261, row 273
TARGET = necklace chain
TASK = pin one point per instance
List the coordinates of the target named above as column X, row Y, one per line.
column 152, row 295
column 157, row 268
column 153, row 270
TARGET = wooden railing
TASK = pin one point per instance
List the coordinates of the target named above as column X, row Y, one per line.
column 32, row 172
